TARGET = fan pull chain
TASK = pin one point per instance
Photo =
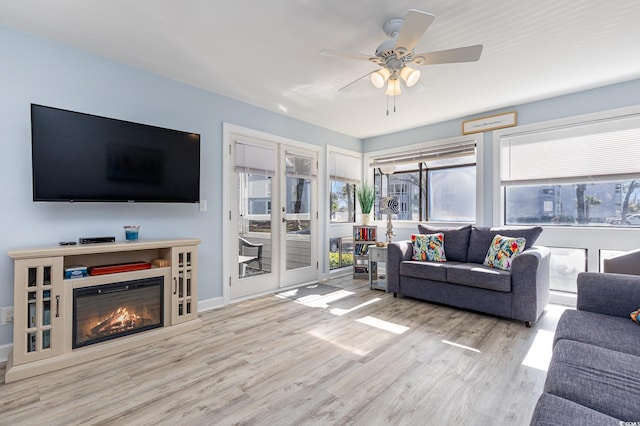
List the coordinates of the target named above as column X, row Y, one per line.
column 387, row 105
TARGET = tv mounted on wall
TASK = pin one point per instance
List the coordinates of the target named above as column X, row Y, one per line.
column 83, row 157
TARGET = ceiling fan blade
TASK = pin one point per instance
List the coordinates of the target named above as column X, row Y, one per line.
column 460, row 54
column 415, row 24
column 349, row 55
column 355, row 81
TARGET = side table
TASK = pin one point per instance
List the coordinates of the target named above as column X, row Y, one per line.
column 377, row 255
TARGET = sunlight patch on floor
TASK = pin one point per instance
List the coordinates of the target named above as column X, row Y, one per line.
column 383, row 325
column 539, row 355
column 339, row 345
column 340, row 312
column 458, row 345
column 317, row 301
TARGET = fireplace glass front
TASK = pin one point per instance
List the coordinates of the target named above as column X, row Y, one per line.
column 109, row 311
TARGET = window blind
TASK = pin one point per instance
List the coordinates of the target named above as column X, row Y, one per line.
column 299, row 166
column 345, row 168
column 426, row 155
column 593, row 151
column 255, row 159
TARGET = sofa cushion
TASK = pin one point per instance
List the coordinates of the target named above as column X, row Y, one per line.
column 481, row 237
column 502, row 251
column 473, row 275
column 601, row 379
column 552, row 410
column 456, row 240
column 428, row 247
column 435, row 271
column 606, row 331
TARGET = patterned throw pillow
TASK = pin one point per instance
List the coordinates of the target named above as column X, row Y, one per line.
column 635, row 316
column 502, row 251
column 428, row 247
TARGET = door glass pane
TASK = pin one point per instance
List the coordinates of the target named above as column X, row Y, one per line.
column 300, row 172
column 254, row 224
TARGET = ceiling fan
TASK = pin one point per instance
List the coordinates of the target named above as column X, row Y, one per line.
column 395, row 55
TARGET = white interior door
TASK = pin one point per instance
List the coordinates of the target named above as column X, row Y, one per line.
column 254, row 260
column 273, row 217
column 299, row 220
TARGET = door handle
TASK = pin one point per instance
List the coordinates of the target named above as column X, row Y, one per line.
column 284, row 220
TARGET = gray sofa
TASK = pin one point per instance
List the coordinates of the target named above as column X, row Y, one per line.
column 464, row 282
column 594, row 375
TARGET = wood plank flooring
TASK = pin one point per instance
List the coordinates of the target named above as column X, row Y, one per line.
column 354, row 357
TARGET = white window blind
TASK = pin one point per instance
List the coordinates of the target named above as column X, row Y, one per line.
column 430, row 154
column 300, row 166
column 345, row 168
column 255, row 159
column 592, row 151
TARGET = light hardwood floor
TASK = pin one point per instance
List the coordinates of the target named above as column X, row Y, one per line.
column 356, row 356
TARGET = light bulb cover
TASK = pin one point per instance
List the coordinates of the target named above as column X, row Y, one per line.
column 379, row 78
column 393, row 87
column 410, row 76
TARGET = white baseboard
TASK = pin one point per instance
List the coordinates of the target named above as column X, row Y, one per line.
column 209, row 304
column 5, row 350
column 562, row 298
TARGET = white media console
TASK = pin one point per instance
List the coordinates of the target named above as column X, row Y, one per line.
column 45, row 319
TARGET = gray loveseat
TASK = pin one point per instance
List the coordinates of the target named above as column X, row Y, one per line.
column 464, row 282
column 594, row 375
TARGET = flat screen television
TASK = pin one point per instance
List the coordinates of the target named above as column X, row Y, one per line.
column 83, row 157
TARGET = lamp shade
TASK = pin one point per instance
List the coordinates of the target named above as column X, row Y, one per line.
column 393, row 87
column 410, row 76
column 379, row 78
column 388, row 169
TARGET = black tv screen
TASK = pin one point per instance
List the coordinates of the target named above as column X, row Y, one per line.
column 83, row 157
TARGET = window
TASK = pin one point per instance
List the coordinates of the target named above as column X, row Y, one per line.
column 586, row 174
column 430, row 184
column 344, row 175
column 581, row 204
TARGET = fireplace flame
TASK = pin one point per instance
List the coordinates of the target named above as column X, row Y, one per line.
column 119, row 320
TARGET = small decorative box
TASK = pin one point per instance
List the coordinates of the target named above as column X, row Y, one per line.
column 75, row 272
column 161, row 263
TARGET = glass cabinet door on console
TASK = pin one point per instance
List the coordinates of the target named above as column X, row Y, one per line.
column 184, row 297
column 38, row 313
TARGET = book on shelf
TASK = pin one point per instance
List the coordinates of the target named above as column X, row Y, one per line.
column 365, row 233
column 361, row 249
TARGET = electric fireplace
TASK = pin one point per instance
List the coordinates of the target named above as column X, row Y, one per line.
column 110, row 311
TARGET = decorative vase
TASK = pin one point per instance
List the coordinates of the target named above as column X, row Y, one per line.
column 366, row 218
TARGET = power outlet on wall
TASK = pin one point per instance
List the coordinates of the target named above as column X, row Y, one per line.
column 6, row 315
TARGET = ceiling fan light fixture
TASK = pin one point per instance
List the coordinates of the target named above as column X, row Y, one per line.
column 410, row 76
column 393, row 87
column 379, row 78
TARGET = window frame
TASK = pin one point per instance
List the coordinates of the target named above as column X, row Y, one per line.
column 499, row 190
column 477, row 138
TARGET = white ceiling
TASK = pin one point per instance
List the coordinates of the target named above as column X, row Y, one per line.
column 267, row 52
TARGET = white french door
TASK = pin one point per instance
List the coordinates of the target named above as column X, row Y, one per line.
column 273, row 216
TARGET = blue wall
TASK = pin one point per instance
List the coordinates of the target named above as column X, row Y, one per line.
column 34, row 70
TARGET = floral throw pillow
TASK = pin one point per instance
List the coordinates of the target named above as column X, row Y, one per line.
column 502, row 252
column 635, row 316
column 428, row 247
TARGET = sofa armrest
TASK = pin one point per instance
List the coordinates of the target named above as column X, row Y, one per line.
column 396, row 253
column 530, row 283
column 609, row 294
